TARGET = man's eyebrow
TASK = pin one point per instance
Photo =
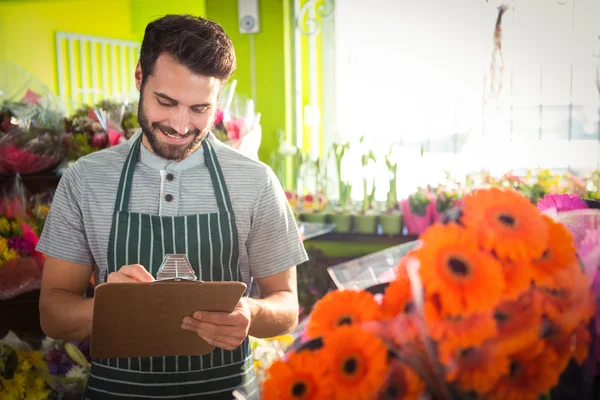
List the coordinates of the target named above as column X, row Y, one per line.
column 164, row 96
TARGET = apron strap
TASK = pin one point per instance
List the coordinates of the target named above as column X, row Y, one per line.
column 217, row 178
column 124, row 189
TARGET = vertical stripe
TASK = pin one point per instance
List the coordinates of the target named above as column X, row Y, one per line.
column 150, row 264
column 211, row 251
column 116, row 241
column 127, row 236
column 222, row 266
column 162, row 239
column 231, row 246
column 139, row 242
column 173, row 233
column 200, row 268
column 185, row 219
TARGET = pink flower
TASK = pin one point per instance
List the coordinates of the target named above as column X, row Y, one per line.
column 219, row 117
column 557, row 203
column 31, row 237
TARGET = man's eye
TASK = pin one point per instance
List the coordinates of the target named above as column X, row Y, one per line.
column 200, row 110
column 165, row 104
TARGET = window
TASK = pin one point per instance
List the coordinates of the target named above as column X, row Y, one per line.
column 417, row 74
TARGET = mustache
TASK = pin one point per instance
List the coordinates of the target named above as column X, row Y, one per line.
column 171, row 131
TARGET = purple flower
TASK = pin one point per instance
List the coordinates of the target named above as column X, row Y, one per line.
column 21, row 246
column 59, row 362
column 557, row 203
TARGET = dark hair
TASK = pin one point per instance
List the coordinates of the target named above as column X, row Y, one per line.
column 199, row 44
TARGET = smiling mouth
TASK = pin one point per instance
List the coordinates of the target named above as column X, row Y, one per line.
column 174, row 136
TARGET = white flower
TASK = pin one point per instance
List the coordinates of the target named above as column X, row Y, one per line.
column 77, row 372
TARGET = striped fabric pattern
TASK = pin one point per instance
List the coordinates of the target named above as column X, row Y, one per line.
column 213, row 375
column 78, row 225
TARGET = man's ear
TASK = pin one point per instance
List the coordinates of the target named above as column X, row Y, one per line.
column 138, row 76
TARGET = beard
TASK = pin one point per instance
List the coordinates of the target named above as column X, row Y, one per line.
column 168, row 151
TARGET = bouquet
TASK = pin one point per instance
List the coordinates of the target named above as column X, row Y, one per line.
column 31, row 123
column 68, row 365
column 237, row 123
column 20, row 264
column 95, row 128
column 493, row 303
column 22, row 370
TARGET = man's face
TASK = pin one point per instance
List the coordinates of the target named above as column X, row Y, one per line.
column 176, row 108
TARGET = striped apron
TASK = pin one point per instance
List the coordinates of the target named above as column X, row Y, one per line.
column 211, row 243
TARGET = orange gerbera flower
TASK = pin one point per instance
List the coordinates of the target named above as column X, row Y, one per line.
column 341, row 307
column 505, row 222
column 466, row 279
column 519, row 323
column 533, row 372
column 477, row 369
column 397, row 297
column 569, row 345
column 518, row 277
column 459, row 332
column 357, row 361
column 568, row 307
column 302, row 377
column 560, row 255
column 402, row 384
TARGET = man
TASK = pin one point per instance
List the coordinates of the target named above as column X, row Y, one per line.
column 173, row 185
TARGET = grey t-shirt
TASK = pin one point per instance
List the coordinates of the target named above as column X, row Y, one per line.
column 78, row 225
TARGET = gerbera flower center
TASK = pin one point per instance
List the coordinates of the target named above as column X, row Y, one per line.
column 350, row 365
column 345, row 320
column 458, row 266
column 507, row 220
column 515, row 368
column 299, row 389
column 501, row 316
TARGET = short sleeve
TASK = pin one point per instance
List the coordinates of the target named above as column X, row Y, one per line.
column 274, row 243
column 64, row 234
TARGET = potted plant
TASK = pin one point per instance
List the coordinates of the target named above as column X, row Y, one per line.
column 366, row 219
column 391, row 219
column 314, row 204
column 418, row 211
column 341, row 216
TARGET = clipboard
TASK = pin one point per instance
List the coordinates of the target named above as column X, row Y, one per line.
column 141, row 319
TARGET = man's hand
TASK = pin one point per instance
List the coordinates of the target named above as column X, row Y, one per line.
column 130, row 273
column 223, row 330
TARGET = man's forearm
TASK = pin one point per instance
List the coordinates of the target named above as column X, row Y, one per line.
column 65, row 315
column 274, row 315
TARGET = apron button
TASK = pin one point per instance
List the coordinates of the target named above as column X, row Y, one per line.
column 169, row 197
column 170, row 177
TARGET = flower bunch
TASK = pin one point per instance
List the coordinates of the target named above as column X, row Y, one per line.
column 95, row 128
column 492, row 304
column 22, row 371
column 68, row 364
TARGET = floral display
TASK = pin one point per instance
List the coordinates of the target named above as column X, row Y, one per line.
column 54, row 369
column 95, row 128
column 492, row 304
column 20, row 226
column 31, row 123
column 68, row 365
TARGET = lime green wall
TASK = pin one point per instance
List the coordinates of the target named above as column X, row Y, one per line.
column 144, row 11
column 272, row 59
column 27, row 29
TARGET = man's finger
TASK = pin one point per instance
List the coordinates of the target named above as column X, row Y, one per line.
column 209, row 329
column 217, row 318
column 137, row 272
column 114, row 277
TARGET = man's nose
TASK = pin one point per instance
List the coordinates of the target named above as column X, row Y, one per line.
column 180, row 121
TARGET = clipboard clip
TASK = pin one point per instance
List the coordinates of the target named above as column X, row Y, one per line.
column 176, row 267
